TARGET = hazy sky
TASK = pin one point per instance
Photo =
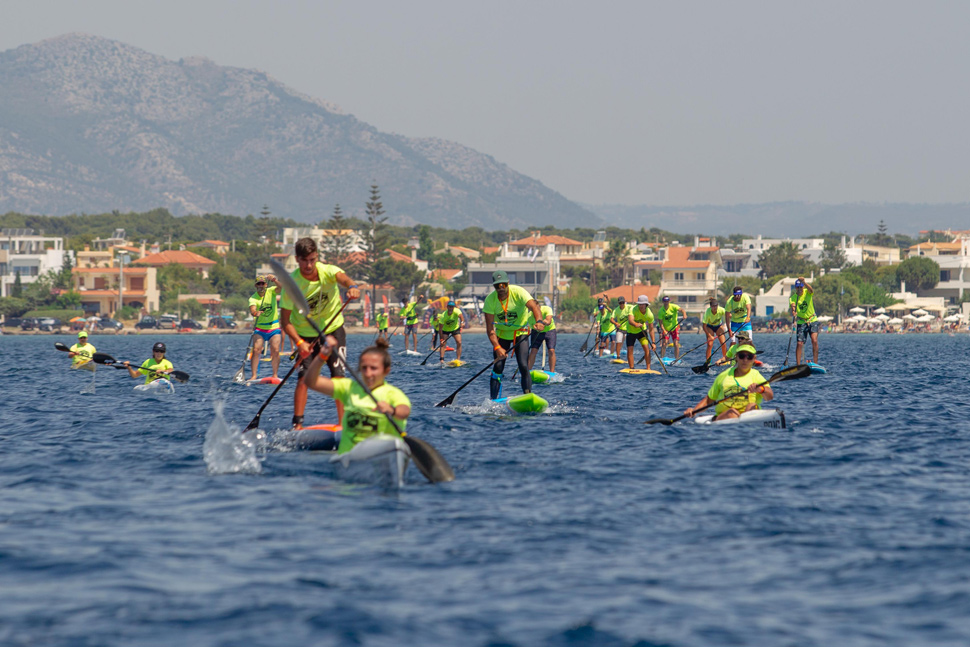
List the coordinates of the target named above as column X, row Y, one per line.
column 663, row 103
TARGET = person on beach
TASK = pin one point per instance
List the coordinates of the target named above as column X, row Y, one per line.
column 266, row 323
column 361, row 417
column 506, row 321
column 320, row 284
column 154, row 368
column 742, row 384
column 803, row 311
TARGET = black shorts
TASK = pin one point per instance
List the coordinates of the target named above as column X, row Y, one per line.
column 336, row 367
column 632, row 337
column 714, row 329
column 536, row 338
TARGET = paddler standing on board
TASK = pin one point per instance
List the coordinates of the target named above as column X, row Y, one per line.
column 382, row 321
column 620, row 314
column 435, row 328
column 156, row 367
column 737, row 312
column 802, row 303
column 81, row 352
column 266, row 325
column 546, row 336
column 450, row 322
column 713, row 322
column 639, row 326
column 320, row 285
column 741, row 381
column 506, row 322
column 607, row 338
column 409, row 316
column 670, row 326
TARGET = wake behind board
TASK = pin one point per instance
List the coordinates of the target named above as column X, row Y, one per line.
column 525, row 403
column 638, row 371
column 455, row 363
column 815, row 368
column 161, row 384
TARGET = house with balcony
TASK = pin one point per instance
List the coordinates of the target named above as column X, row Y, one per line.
column 569, row 252
column 689, row 276
column 30, row 255
column 537, row 271
column 954, row 261
column 185, row 258
column 98, row 287
column 354, row 238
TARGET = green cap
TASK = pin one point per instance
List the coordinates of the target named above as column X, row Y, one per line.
column 499, row 276
column 746, row 348
column 82, row 334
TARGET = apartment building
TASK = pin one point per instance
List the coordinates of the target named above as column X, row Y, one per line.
column 30, row 255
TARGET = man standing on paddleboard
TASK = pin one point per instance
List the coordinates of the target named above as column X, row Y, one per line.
column 607, row 338
column 450, row 322
column 802, row 303
column 409, row 316
column 737, row 312
column 320, row 285
column 620, row 314
column 382, row 321
column 713, row 321
column 546, row 336
column 506, row 322
column 670, row 326
column 639, row 326
column 266, row 324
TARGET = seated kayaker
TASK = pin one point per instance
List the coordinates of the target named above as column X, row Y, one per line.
column 81, row 352
column 155, row 367
column 743, row 382
column 362, row 416
column 741, row 339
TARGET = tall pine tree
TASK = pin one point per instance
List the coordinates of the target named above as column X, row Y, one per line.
column 375, row 239
column 338, row 241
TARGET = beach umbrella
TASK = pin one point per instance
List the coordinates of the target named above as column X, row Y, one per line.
column 926, row 318
column 880, row 311
column 824, row 318
column 857, row 309
column 895, row 321
column 952, row 318
column 920, row 312
column 859, row 318
column 909, row 317
column 874, row 321
column 76, row 320
column 883, row 317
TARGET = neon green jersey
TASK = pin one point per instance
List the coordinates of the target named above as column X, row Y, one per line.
column 726, row 384
column 644, row 319
column 804, row 306
column 361, row 420
column 323, row 297
column 511, row 315
column 269, row 316
column 84, row 352
column 604, row 317
column 409, row 313
column 712, row 318
column 382, row 318
column 738, row 309
column 150, row 366
column 668, row 316
column 620, row 314
column 545, row 311
column 450, row 322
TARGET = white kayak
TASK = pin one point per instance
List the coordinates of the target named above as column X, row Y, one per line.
column 161, row 385
column 379, row 459
column 410, row 352
column 770, row 418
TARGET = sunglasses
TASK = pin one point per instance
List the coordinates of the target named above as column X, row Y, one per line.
column 745, row 356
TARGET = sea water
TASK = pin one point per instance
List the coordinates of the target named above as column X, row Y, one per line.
column 137, row 519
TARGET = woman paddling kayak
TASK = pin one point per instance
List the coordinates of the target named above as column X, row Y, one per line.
column 742, row 381
column 362, row 417
column 154, row 368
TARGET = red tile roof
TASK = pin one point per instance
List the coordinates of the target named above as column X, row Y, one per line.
column 677, row 257
column 544, row 240
column 220, row 243
column 446, row 274
column 174, row 256
column 631, row 292
column 109, row 270
column 397, row 256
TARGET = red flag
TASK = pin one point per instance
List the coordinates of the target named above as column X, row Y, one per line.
column 366, row 309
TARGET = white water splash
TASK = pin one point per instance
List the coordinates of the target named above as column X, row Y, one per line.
column 227, row 450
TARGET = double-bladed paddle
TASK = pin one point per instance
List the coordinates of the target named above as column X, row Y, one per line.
column 108, row 360
column 793, row 373
column 426, row 458
column 451, row 398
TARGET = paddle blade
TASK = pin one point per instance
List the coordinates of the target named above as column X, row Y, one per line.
column 429, row 462
column 703, row 368
column 660, row 421
column 447, row 401
column 582, row 349
column 795, row 372
column 59, row 346
column 180, row 376
column 104, row 358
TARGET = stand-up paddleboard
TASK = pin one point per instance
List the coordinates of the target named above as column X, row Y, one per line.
column 770, row 418
column 617, row 361
column 410, row 352
column 670, row 361
column 638, row 371
column 543, row 377
column 264, row 380
column 815, row 368
column 455, row 363
column 449, row 348
column 525, row 403
column 161, row 385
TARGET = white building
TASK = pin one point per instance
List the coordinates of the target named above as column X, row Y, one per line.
column 29, row 254
column 293, row 234
column 537, row 272
column 954, row 262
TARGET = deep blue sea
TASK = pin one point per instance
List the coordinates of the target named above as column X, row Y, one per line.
column 580, row 526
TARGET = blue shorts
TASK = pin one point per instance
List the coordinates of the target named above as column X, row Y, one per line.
column 738, row 327
column 608, row 335
column 409, row 328
column 267, row 334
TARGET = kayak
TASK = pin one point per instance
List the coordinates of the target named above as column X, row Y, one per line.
column 455, row 363
column 544, row 377
column 85, row 366
column 264, row 380
column 639, row 371
column 380, row 459
column 525, row 403
column 315, row 438
column 815, row 368
column 161, row 384
column 770, row 418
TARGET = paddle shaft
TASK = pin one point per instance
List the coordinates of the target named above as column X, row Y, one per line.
column 107, row 360
column 451, row 398
column 789, row 342
column 436, row 348
column 582, row 349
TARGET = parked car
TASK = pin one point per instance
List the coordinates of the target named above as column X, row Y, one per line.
column 108, row 324
column 168, row 322
column 190, row 324
column 29, row 323
column 147, row 322
column 49, row 324
column 222, row 322
column 12, row 322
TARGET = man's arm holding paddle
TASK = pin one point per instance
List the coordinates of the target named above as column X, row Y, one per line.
column 299, row 343
column 762, row 389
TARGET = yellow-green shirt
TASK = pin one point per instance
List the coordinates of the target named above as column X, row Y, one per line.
column 361, row 419
column 727, row 384
column 84, row 352
column 545, row 311
column 738, row 309
column 644, row 318
column 804, row 306
column 409, row 314
column 605, row 319
column 620, row 314
column 450, row 322
column 511, row 315
column 269, row 316
column 712, row 318
column 150, row 366
column 668, row 316
column 323, row 297
column 382, row 321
